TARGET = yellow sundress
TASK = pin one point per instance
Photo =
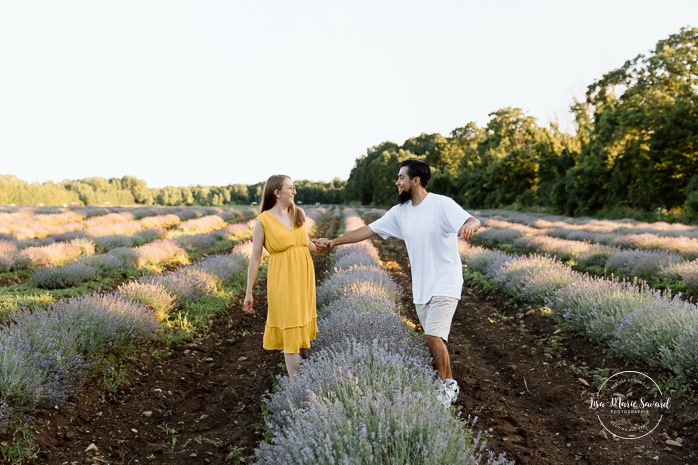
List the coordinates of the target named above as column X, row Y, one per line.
column 291, row 316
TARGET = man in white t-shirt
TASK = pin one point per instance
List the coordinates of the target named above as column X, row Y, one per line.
column 430, row 224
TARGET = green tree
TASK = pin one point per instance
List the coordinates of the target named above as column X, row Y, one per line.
column 643, row 148
column 504, row 163
column 362, row 179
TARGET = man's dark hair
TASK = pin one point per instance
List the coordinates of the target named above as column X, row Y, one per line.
column 417, row 168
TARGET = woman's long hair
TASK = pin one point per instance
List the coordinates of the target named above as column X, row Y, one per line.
column 274, row 183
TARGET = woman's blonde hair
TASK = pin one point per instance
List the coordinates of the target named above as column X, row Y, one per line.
column 276, row 183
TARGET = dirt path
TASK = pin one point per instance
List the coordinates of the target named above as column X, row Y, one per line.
column 532, row 402
column 196, row 403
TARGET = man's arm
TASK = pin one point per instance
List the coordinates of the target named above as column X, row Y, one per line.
column 357, row 235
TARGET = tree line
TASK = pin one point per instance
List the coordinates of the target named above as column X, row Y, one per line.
column 635, row 149
column 129, row 190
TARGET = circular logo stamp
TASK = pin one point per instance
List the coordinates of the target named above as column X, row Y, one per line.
column 630, row 405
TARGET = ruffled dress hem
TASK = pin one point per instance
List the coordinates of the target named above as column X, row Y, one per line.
column 291, row 340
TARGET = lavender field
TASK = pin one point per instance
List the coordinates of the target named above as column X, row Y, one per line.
column 665, row 255
column 83, row 289
column 48, row 253
column 626, row 285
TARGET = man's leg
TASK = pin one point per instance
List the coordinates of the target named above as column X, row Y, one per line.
column 435, row 317
column 442, row 360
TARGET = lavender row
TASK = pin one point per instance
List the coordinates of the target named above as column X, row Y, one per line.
column 632, row 319
column 367, row 392
column 157, row 254
column 585, row 224
column 674, row 238
column 24, row 225
column 101, row 234
column 109, row 232
column 651, row 265
column 193, row 235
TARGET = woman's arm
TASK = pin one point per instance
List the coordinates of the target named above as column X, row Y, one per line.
column 469, row 228
column 253, row 268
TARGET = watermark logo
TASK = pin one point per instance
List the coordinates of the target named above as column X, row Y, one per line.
column 630, row 405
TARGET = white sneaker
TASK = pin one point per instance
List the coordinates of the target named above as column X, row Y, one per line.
column 447, row 392
column 451, row 386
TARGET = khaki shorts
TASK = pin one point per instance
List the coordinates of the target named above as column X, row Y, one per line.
column 436, row 315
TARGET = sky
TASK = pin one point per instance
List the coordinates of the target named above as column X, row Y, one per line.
column 213, row 92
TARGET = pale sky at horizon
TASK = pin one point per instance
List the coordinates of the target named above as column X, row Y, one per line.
column 221, row 92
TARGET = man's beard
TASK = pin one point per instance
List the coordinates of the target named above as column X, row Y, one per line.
column 404, row 196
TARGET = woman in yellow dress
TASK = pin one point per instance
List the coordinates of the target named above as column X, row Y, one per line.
column 280, row 228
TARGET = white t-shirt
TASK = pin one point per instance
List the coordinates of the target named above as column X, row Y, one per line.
column 430, row 232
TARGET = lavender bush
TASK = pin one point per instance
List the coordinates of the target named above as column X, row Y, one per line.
column 127, row 256
column 245, row 249
column 235, row 231
column 186, row 284
column 127, row 228
column 106, row 243
column 687, row 272
column 345, row 373
column 560, row 248
column 230, row 215
column 379, row 427
column 6, row 262
column 534, row 279
column 501, row 224
column 652, row 331
column 202, row 225
column 687, row 247
column 8, row 255
column 106, row 264
column 101, row 218
column 595, row 307
column 363, row 324
column 485, row 261
column 360, row 281
column 352, row 220
column 227, row 268
column 55, row 254
column 106, row 322
column 162, row 252
column 44, row 352
column 582, row 235
column 160, row 221
column 596, row 255
column 352, row 260
column 682, row 358
column 63, row 276
column 364, row 247
column 196, row 242
column 641, row 263
column 154, row 296
column 492, row 236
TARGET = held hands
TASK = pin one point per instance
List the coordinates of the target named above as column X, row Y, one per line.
column 323, row 244
column 466, row 232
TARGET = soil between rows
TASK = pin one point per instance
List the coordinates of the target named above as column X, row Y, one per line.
column 202, row 403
